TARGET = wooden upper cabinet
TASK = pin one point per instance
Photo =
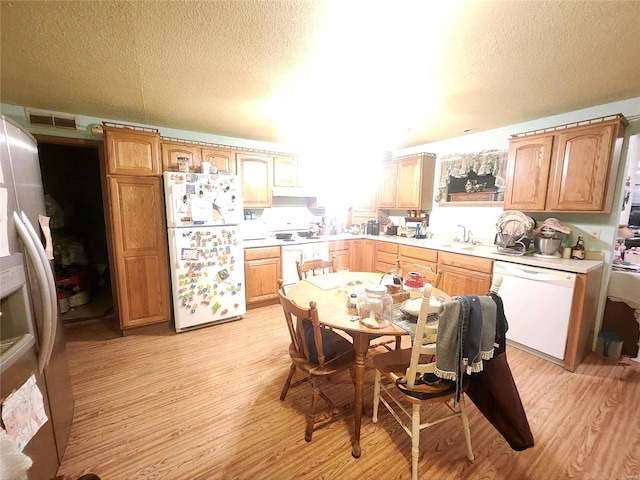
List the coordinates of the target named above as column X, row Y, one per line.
column 171, row 151
column 285, row 171
column 257, row 179
column 224, row 159
column 139, row 238
column 582, row 168
column 528, row 173
column 132, row 152
column 570, row 169
column 365, row 201
column 407, row 183
column 388, row 185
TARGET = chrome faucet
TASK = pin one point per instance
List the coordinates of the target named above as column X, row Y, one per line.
column 465, row 237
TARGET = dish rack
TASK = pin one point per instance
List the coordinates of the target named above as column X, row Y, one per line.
column 514, row 241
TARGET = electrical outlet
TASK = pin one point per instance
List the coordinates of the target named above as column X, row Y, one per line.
column 594, row 235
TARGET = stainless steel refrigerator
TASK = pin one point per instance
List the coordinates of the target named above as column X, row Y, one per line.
column 30, row 328
column 205, row 248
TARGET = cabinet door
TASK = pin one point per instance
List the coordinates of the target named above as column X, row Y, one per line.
column 139, row 238
column 528, row 173
column 387, row 185
column 257, row 181
column 581, row 169
column 261, row 277
column 409, row 183
column 223, row 159
column 131, row 152
column 172, row 151
column 341, row 249
column 365, row 201
column 459, row 281
column 362, row 255
column 285, row 171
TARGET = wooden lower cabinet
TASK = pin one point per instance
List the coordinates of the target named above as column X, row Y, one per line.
column 262, row 270
column 386, row 255
column 341, row 249
column 141, row 257
column 464, row 274
column 412, row 256
column 362, row 254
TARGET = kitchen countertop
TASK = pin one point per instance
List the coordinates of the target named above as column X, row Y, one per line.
column 485, row 251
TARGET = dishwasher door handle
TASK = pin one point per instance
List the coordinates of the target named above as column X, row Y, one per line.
column 529, row 274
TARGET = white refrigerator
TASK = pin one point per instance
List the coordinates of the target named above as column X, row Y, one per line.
column 204, row 212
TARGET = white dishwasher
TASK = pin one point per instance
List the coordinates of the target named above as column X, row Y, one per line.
column 537, row 304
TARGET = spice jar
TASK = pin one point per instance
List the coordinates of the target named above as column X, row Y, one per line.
column 183, row 164
column 352, row 303
column 376, row 304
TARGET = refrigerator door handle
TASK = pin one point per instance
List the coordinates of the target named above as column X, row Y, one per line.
column 51, row 282
column 46, row 340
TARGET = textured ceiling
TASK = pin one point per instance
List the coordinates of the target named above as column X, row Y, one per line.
column 394, row 74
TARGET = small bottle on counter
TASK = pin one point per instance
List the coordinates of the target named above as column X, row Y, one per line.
column 577, row 252
column 352, row 304
column 397, row 279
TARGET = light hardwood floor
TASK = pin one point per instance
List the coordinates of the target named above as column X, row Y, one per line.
column 205, row 405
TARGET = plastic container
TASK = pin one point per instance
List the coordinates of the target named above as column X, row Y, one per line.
column 183, row 164
column 376, row 304
column 609, row 345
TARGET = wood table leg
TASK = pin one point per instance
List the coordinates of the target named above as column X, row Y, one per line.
column 361, row 344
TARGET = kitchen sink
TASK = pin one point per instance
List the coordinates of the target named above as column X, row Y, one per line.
column 468, row 247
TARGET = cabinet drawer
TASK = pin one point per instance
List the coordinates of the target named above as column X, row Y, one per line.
column 419, row 253
column 261, row 252
column 384, row 267
column 385, row 257
column 466, row 261
column 338, row 245
column 387, row 247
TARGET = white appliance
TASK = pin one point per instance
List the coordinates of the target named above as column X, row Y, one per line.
column 537, row 304
column 300, row 252
column 204, row 212
column 32, row 339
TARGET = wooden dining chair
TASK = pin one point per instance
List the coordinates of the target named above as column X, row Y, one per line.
column 319, row 353
column 316, row 267
column 398, row 381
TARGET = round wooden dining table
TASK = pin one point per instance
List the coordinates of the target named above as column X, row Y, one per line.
column 333, row 312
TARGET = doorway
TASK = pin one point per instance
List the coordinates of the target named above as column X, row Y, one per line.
column 74, row 200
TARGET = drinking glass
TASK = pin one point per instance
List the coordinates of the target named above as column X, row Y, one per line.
column 343, row 271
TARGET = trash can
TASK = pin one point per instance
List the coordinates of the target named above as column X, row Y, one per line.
column 609, row 345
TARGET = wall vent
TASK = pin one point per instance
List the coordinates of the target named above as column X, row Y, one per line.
column 43, row 118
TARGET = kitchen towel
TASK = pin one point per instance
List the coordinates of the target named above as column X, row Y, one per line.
column 14, row 464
